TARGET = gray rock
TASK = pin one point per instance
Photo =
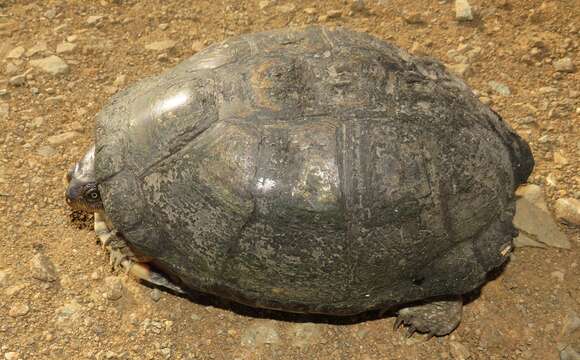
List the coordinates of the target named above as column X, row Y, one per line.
column 65, row 48
column 18, row 310
column 155, row 295
column 42, row 268
column 569, row 353
column 307, row 334
column 113, row 288
column 500, row 88
column 16, row 53
column 533, row 219
column 568, row 210
column 17, row 80
column 564, row 65
column 52, row 65
column 463, row 10
column 260, row 333
column 68, row 314
column 62, row 138
column 525, row 241
column 459, row 351
column 163, row 45
column 4, row 111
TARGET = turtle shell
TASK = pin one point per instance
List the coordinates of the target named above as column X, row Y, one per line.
column 311, row 170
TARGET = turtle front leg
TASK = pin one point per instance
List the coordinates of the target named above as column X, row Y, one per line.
column 437, row 318
column 121, row 256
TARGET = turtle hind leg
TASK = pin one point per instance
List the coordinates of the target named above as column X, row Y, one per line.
column 121, row 256
column 436, row 318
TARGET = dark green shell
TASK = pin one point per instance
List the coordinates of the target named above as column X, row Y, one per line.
column 312, row 170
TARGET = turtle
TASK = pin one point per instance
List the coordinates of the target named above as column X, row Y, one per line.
column 308, row 170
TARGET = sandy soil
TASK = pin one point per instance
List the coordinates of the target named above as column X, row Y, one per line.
column 58, row 296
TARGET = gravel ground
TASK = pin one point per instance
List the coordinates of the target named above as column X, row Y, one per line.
column 61, row 60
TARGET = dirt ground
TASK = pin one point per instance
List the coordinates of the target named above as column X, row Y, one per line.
column 58, row 296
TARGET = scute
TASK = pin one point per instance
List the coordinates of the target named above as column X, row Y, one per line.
column 311, row 170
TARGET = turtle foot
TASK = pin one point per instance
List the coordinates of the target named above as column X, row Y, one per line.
column 122, row 257
column 437, row 318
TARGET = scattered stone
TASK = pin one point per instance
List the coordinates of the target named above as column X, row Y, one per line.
column 4, row 111
column 42, row 268
column 413, row 18
column 16, row 53
column 4, row 278
column 17, row 80
column 62, row 138
column 19, row 310
column 4, row 92
column 559, row 158
column 39, row 48
column 568, row 210
column 564, row 65
column 93, row 20
column 260, row 333
column 155, row 295
column 557, row 275
column 11, row 355
column 37, row 122
column 522, row 240
column 500, row 88
column 333, row 14
column 358, row 6
column 14, row 289
column 163, row 45
column 197, row 46
column 570, row 338
column 462, row 69
column 310, row 11
column 11, row 69
column 533, row 219
column 306, row 334
column 286, row 8
column 463, row 10
column 68, row 314
column 551, row 180
column 163, row 26
column 65, row 48
column 568, row 353
column 52, row 65
column 113, row 288
column 46, row 151
column 459, row 351
column 72, row 38
column 263, row 4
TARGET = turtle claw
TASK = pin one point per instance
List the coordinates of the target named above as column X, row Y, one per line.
column 436, row 318
column 397, row 323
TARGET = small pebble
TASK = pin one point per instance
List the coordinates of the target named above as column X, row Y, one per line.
column 19, row 310
column 155, row 295
column 568, row 210
column 564, row 65
column 463, row 10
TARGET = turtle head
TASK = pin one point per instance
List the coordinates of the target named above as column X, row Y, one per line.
column 82, row 192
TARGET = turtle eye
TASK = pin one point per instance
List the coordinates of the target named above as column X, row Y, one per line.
column 92, row 195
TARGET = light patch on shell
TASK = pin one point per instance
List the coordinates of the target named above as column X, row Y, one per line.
column 173, row 102
column 506, row 250
column 264, row 184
